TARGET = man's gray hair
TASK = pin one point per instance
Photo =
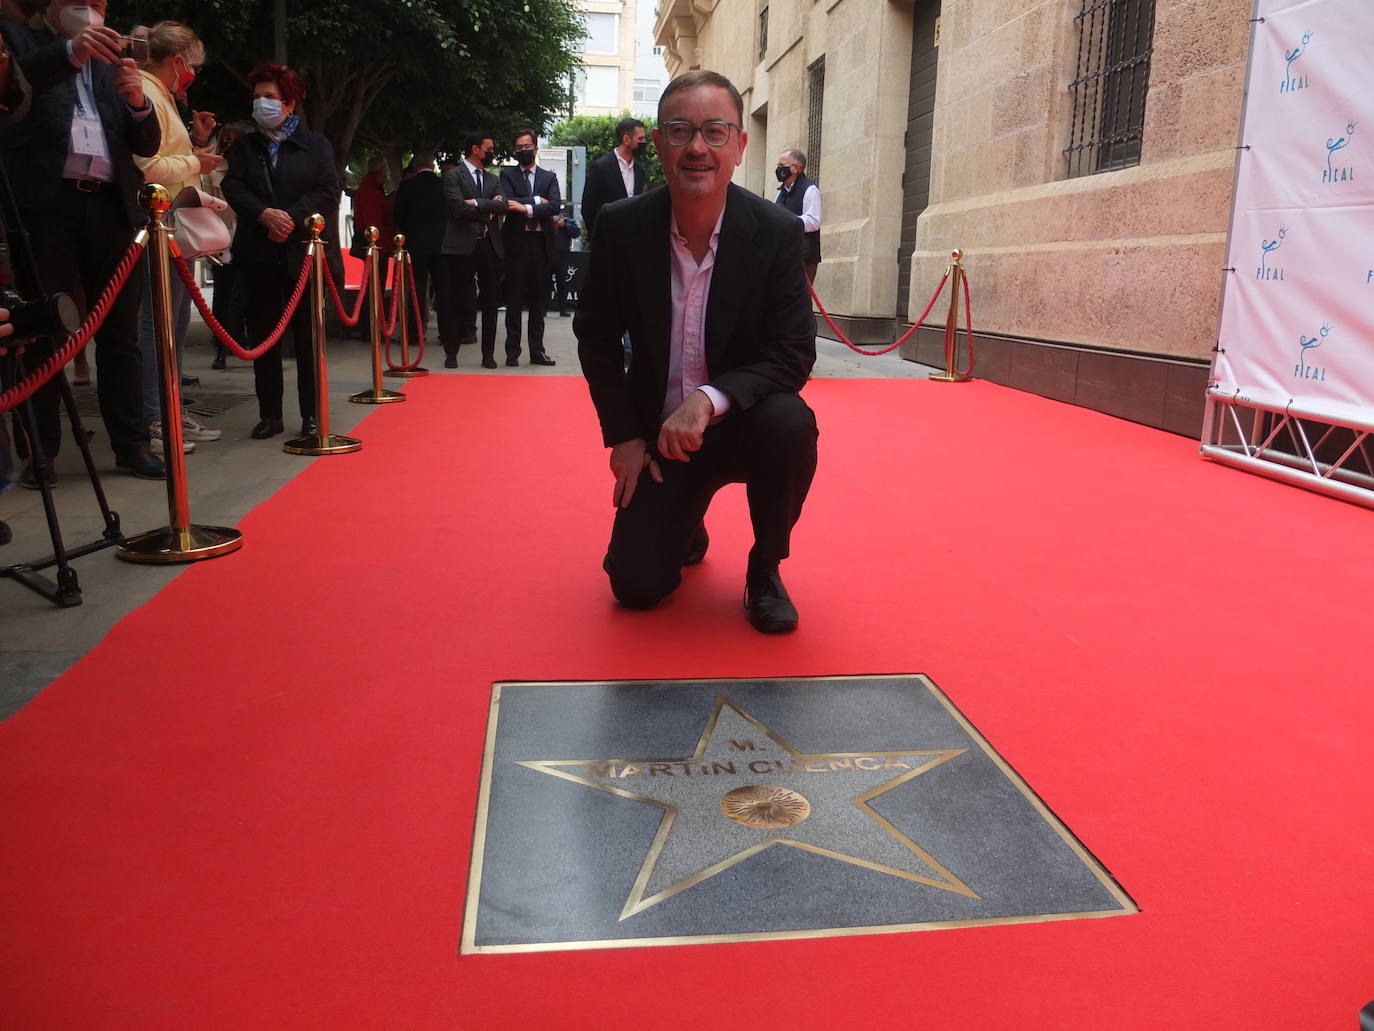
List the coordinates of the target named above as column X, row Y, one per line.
column 797, row 156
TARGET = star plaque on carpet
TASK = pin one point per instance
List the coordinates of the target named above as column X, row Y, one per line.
column 676, row 812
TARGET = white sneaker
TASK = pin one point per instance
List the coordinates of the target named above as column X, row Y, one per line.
column 155, row 441
column 193, row 429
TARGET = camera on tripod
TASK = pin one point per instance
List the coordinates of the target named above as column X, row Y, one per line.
column 54, row 315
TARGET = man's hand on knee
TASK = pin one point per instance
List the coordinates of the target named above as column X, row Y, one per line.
column 628, row 460
column 683, row 429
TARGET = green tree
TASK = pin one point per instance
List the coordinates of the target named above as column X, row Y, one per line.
column 597, row 134
column 391, row 74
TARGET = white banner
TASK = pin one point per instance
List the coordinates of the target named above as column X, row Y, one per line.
column 1298, row 317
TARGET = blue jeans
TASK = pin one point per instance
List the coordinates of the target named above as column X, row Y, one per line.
column 147, row 340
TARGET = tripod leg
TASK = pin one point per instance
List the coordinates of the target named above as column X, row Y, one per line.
column 83, row 442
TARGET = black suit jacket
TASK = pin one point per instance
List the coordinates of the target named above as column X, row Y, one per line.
column 303, row 183
column 461, row 227
column 43, row 137
column 603, row 185
column 760, row 333
column 420, row 212
column 516, row 187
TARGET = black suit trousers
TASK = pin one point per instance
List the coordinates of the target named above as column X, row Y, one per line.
column 527, row 287
column 474, row 282
column 78, row 243
column 267, row 288
column 770, row 448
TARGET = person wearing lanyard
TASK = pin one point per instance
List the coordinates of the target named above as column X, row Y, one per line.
column 78, row 194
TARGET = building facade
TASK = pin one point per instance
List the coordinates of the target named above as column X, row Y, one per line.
column 1080, row 152
column 621, row 68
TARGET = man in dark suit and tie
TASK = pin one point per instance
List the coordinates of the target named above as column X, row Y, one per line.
column 534, row 203
column 472, row 249
column 77, row 187
column 708, row 280
column 619, row 174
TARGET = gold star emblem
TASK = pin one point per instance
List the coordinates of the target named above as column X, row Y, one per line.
column 744, row 790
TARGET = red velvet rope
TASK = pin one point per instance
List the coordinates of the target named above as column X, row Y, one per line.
column 900, row 340
column 222, row 334
column 419, row 327
column 968, row 321
column 348, row 320
column 29, row 385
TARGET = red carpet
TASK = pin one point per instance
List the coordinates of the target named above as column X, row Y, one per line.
column 252, row 805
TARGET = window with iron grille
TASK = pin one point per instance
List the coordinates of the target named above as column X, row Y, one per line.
column 1109, row 85
column 815, row 104
column 763, row 32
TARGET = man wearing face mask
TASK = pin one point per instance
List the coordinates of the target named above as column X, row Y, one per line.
column 530, row 242
column 473, row 251
column 618, row 174
column 802, row 197
column 78, row 191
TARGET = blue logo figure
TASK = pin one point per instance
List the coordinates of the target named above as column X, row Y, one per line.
column 1267, row 248
column 1292, row 83
column 1302, row 370
column 1333, row 174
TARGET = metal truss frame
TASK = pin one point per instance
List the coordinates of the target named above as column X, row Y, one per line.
column 1291, row 444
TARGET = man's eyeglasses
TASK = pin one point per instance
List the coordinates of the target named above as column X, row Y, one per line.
column 679, row 132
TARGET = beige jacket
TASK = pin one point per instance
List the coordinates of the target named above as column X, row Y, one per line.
column 175, row 166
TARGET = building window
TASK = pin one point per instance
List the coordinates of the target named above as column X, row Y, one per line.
column 763, row 32
column 815, row 105
column 598, row 86
column 647, row 91
column 1109, row 85
column 603, row 34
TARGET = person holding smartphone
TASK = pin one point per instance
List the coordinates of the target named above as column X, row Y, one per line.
column 78, row 193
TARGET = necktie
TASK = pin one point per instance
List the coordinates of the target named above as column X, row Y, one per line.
column 476, row 181
column 529, row 179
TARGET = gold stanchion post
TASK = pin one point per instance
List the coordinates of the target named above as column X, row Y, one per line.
column 956, row 283
column 402, row 289
column 321, row 442
column 377, row 395
column 179, row 540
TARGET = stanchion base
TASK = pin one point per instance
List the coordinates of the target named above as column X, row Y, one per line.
column 950, row 377
column 376, row 397
column 166, row 545
column 315, row 444
column 408, row 373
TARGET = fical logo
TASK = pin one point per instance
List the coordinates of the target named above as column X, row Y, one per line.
column 1268, row 247
column 1338, row 173
column 1292, row 79
column 1303, row 370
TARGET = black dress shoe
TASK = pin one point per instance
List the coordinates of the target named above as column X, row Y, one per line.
column 450, row 361
column 541, row 359
column 6, row 534
column 219, row 364
column 309, row 427
column 266, row 428
column 143, row 464
column 696, row 551
column 190, row 381
column 512, row 363
column 765, row 599
column 488, row 363
column 28, row 478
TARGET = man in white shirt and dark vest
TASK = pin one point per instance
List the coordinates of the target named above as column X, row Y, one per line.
column 802, row 197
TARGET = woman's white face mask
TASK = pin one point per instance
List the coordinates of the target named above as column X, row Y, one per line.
column 267, row 112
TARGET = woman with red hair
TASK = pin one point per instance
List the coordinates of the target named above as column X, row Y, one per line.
column 277, row 177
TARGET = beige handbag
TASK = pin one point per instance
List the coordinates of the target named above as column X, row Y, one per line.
column 197, row 227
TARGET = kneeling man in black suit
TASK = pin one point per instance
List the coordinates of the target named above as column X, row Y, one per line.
column 708, row 280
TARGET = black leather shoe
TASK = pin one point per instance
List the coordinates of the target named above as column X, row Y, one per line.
column 696, row 551
column 542, row 359
column 190, row 381
column 28, row 478
column 488, row 363
column 512, row 363
column 143, row 464
column 6, row 534
column 219, row 364
column 765, row 599
column 309, row 427
column 450, row 361
column 266, row 428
